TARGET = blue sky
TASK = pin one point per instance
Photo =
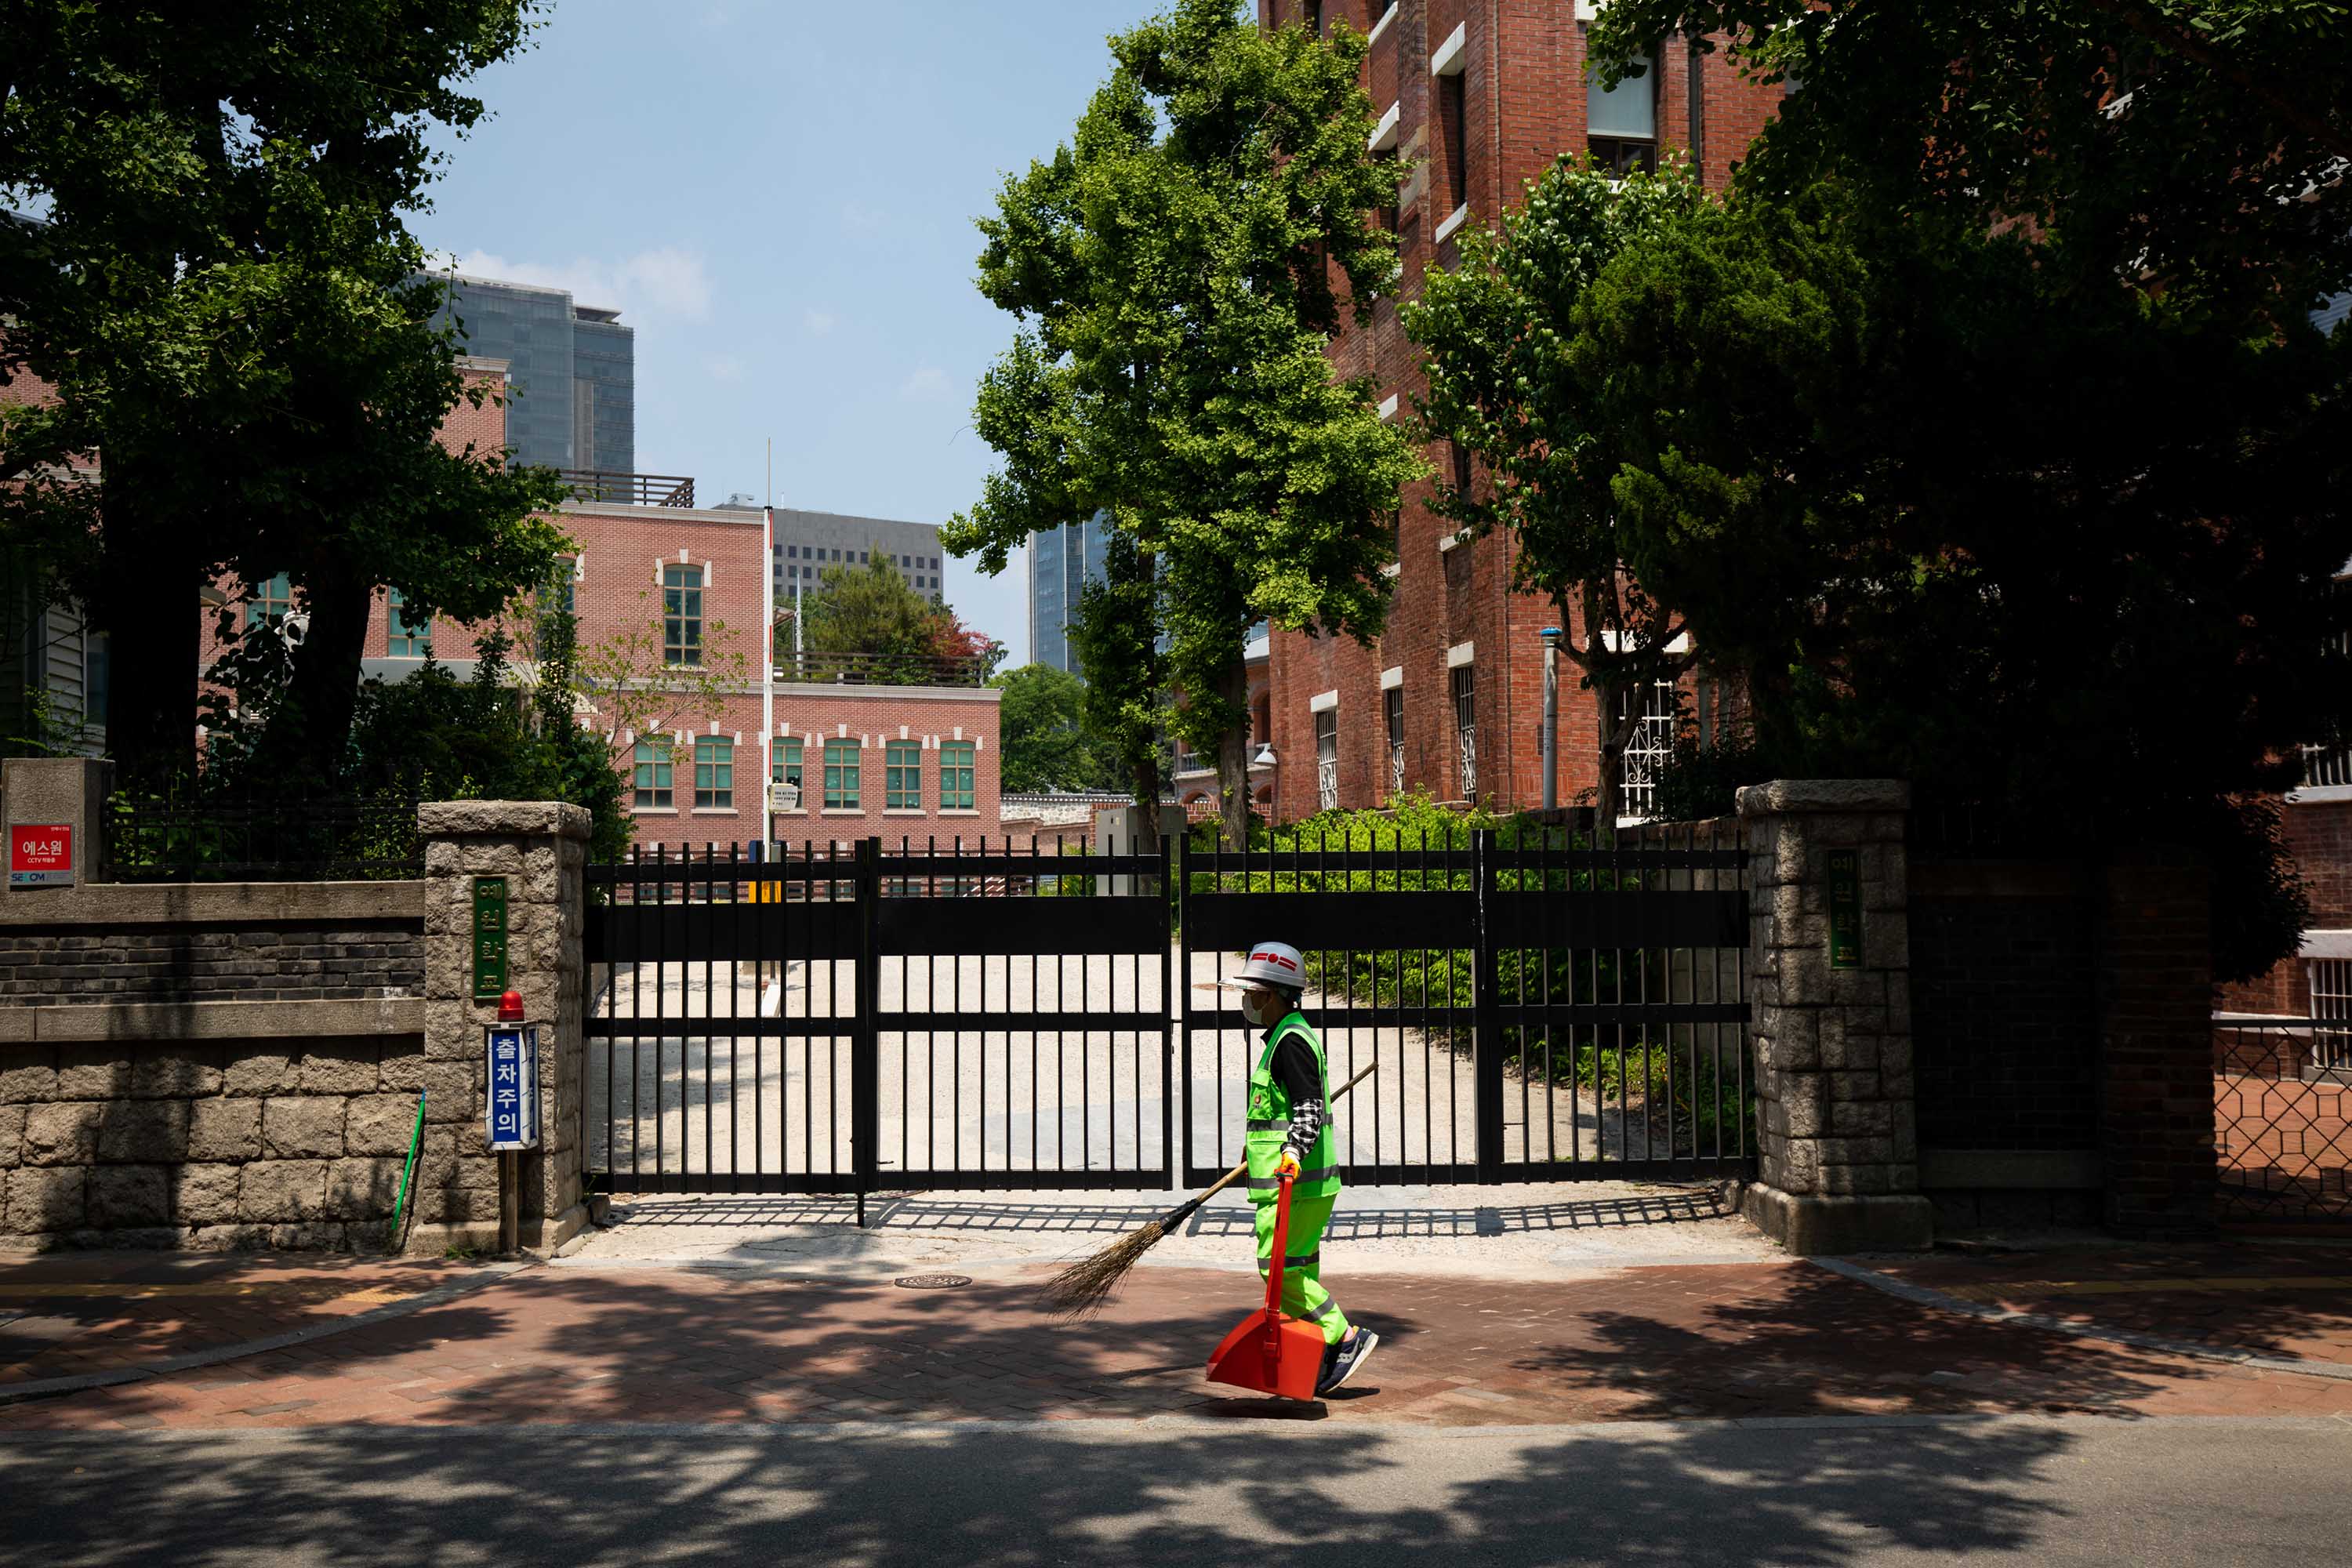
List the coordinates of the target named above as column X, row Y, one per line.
column 779, row 196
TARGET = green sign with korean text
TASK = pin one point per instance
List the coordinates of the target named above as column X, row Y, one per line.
column 489, row 937
column 1845, row 909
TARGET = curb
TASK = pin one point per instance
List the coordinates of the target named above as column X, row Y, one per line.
column 47, row 1388
column 1922, row 1296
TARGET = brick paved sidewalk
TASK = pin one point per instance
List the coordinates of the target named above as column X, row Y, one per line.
column 573, row 1344
column 71, row 1314
column 2273, row 1299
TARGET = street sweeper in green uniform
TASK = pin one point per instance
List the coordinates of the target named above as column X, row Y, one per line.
column 1290, row 1133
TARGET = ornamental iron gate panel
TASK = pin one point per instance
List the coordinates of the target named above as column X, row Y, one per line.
column 851, row 1019
column 2282, row 1120
column 1541, row 1008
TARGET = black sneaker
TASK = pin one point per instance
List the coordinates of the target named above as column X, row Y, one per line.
column 1352, row 1352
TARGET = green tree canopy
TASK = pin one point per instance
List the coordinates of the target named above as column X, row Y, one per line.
column 896, row 633
column 1179, row 268
column 220, row 295
column 1047, row 744
column 1988, row 429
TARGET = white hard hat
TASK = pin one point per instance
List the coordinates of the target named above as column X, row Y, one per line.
column 1273, row 964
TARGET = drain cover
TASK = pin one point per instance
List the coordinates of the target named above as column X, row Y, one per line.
column 931, row 1281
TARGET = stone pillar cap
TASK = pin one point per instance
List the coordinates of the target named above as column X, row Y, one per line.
column 1786, row 796
column 502, row 819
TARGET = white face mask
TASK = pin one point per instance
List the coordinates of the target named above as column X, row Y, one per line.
column 1263, row 1008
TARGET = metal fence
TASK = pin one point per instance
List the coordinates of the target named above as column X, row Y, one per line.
column 1541, row 1006
column 629, row 489
column 293, row 840
column 2282, row 1120
column 1544, row 1005
column 853, row 1019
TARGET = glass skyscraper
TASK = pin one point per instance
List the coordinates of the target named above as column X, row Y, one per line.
column 1062, row 561
column 571, row 368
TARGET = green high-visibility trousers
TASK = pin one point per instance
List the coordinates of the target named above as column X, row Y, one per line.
column 1303, row 1295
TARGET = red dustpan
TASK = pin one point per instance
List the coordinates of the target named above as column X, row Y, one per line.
column 1270, row 1352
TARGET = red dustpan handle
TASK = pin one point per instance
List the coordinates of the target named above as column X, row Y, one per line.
column 1274, row 1283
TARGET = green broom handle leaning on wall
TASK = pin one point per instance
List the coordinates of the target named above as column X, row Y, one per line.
column 415, row 1136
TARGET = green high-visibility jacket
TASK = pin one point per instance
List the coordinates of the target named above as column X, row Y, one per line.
column 1269, row 1123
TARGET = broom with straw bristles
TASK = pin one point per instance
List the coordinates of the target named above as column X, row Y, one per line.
column 1083, row 1288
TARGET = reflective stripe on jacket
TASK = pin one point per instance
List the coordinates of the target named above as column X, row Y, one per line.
column 1269, row 1123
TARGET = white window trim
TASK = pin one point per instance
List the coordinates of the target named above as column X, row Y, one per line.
column 1447, row 59
column 1389, row 406
column 1454, row 220
column 1589, row 10
column 1383, row 24
column 1449, row 540
column 1394, row 569
column 1460, row 654
column 2316, row 795
column 1323, row 701
column 1614, row 642
column 1391, row 678
column 1384, row 136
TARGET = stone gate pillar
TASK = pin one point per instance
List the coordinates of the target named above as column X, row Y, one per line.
column 1830, row 1016
column 540, row 848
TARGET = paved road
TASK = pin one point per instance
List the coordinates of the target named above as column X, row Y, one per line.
column 1869, row 1493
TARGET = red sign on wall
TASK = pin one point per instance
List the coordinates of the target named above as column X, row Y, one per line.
column 40, row 854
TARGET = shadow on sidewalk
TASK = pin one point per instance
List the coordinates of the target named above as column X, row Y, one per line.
column 943, row 1211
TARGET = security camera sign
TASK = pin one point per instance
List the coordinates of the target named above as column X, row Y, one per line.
column 40, row 854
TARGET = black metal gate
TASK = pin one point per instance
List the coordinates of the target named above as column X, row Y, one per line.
column 852, row 1019
column 1541, row 1008
column 863, row 1018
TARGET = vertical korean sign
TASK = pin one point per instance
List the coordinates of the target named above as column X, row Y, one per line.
column 513, row 1074
column 1845, row 909
column 489, row 937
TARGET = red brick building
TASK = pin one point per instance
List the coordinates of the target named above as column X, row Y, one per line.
column 1479, row 96
column 690, row 582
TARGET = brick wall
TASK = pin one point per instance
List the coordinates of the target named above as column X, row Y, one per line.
column 2155, row 990
column 1524, row 103
column 2318, row 834
column 160, row 964
column 2004, row 1008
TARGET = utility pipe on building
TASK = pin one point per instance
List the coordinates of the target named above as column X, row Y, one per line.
column 1550, row 635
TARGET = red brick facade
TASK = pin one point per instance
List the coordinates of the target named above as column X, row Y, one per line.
column 1522, row 102
column 621, row 554
column 2319, row 829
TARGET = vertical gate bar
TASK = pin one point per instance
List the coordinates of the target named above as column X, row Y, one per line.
column 865, row 1090
column 1486, row 1033
column 808, row 934
column 1180, row 999
column 661, row 1007
column 734, row 1016
column 1168, row 909
column 1741, row 1041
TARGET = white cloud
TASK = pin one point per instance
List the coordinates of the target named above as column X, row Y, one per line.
column 666, row 281
column 725, row 367
column 819, row 322
column 929, row 384
column 859, row 218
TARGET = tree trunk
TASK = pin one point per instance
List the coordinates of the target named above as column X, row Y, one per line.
column 147, row 599
column 1232, row 759
column 311, row 735
column 1606, row 696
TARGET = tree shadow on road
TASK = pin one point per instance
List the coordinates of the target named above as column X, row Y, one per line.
column 990, row 1495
